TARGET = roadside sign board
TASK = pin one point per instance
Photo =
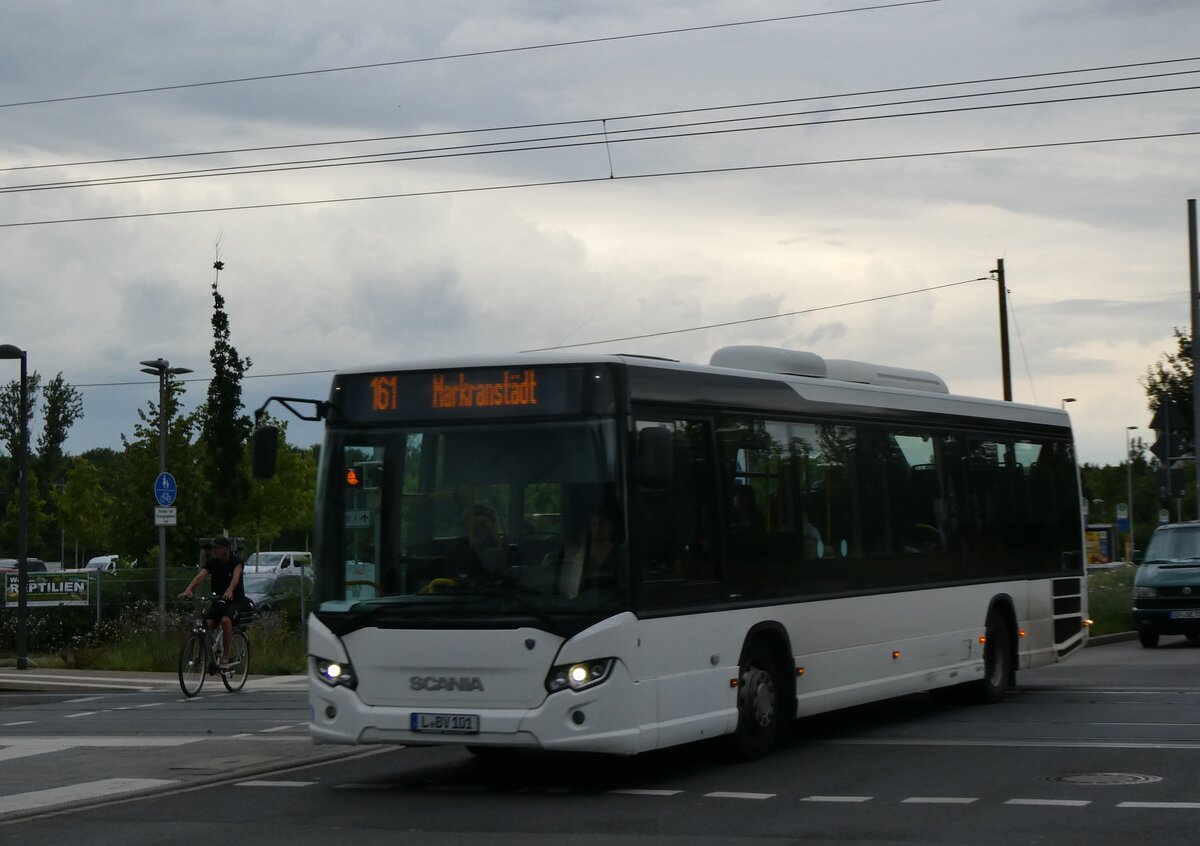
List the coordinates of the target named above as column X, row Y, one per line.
column 165, row 516
column 47, row 589
column 165, row 490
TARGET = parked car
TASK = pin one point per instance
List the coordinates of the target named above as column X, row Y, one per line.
column 289, row 560
column 270, row 589
column 32, row 565
column 1166, row 588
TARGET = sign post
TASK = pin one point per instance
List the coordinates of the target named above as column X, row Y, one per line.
column 165, row 491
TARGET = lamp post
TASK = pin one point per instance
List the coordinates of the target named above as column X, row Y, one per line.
column 1066, row 400
column 1129, row 486
column 8, row 351
column 162, row 368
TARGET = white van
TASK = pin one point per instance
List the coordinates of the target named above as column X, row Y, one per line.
column 261, row 562
column 103, row 563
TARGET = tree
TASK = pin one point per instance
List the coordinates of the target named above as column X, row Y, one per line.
column 225, row 431
column 38, row 521
column 85, row 509
column 282, row 502
column 64, row 406
column 132, row 480
column 10, row 423
column 1171, row 376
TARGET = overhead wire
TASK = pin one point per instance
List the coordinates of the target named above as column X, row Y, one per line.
column 644, row 336
column 607, row 136
column 478, row 189
column 645, row 115
column 469, row 54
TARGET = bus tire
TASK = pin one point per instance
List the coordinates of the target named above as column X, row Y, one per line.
column 1147, row 637
column 757, row 706
column 997, row 660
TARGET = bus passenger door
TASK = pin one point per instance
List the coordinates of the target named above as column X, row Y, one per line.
column 674, row 523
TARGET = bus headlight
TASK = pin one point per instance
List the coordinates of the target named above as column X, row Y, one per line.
column 1144, row 592
column 579, row 676
column 335, row 673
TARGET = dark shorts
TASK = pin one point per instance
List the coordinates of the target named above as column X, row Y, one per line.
column 220, row 608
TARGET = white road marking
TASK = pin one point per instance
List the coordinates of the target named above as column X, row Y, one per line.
column 20, row 723
column 268, row 783
column 1190, row 806
column 1065, row 803
column 939, row 800
column 285, row 728
column 722, row 794
column 81, row 714
column 1021, row 744
column 837, row 798
column 77, row 792
column 641, row 791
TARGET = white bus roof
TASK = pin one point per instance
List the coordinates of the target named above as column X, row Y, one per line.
column 814, row 378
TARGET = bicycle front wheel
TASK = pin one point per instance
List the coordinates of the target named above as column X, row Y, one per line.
column 193, row 662
column 239, row 663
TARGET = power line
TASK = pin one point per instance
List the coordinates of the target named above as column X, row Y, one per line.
column 466, row 55
column 605, row 341
column 585, row 180
column 757, row 319
column 605, row 136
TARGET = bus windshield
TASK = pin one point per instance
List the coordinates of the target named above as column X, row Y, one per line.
column 452, row 522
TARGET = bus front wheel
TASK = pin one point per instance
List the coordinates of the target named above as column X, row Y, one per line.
column 997, row 659
column 757, row 707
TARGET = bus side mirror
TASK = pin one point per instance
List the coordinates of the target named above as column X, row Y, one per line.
column 655, row 457
column 266, row 444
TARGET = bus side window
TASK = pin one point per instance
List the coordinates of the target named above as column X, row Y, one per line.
column 675, row 523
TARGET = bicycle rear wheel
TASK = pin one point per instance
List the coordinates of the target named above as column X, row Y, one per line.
column 239, row 663
column 192, row 665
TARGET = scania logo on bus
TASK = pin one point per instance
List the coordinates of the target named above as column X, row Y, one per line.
column 464, row 683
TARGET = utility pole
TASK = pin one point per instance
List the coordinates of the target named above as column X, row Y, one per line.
column 1005, row 367
column 1194, row 273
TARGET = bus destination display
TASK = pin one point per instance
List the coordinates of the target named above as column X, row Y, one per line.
column 460, row 394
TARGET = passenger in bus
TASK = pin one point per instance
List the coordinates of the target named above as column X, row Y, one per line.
column 745, row 517
column 814, row 547
column 593, row 557
column 478, row 553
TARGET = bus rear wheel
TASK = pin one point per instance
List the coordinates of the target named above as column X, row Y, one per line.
column 757, row 706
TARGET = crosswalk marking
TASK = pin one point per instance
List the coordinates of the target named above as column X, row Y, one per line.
column 37, row 799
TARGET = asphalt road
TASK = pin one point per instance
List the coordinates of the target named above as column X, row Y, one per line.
column 1102, row 749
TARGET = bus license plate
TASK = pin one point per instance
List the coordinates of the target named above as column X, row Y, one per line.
column 446, row 723
column 1186, row 615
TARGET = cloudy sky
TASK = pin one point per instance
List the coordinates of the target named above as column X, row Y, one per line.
column 396, row 180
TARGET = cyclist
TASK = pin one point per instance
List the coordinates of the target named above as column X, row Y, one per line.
column 225, row 567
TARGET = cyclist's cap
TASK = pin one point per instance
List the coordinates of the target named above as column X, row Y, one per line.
column 221, row 541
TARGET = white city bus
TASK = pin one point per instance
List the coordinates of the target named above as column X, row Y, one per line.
column 618, row 553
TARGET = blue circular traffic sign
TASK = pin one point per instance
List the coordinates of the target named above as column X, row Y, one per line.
column 164, row 489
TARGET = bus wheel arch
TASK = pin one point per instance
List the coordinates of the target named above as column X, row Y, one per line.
column 766, row 692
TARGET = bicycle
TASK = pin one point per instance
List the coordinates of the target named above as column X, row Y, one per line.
column 200, row 655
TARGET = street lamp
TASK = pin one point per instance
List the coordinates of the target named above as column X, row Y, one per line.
column 8, row 351
column 1129, row 486
column 162, row 368
column 1066, row 400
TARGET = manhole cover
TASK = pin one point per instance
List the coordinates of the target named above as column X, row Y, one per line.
column 1107, row 778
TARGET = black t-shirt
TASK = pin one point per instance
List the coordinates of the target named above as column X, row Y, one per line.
column 222, row 574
